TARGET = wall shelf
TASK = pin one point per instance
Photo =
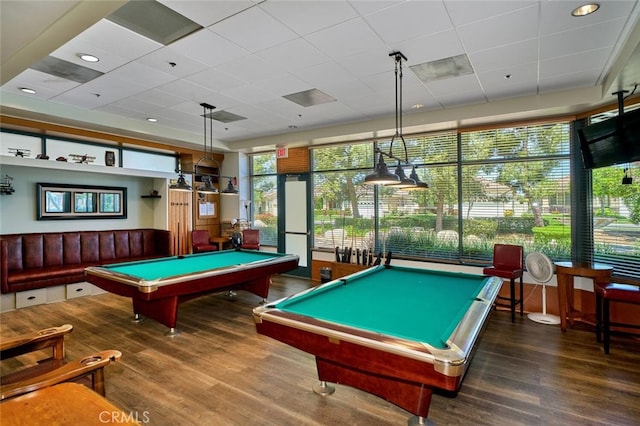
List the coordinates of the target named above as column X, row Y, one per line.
column 81, row 167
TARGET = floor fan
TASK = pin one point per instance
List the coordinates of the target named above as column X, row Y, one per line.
column 541, row 268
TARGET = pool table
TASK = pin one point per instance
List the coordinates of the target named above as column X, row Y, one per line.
column 396, row 332
column 158, row 286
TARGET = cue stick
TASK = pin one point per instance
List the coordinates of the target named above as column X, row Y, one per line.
column 343, row 235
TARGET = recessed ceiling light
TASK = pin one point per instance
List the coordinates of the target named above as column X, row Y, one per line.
column 28, row 90
column 88, row 58
column 585, row 10
column 293, row 126
column 417, row 106
column 152, row 120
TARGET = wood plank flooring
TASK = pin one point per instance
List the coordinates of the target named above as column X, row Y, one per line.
column 219, row 371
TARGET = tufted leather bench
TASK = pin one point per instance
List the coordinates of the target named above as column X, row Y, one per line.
column 39, row 260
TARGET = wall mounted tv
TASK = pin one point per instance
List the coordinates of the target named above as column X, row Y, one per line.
column 612, row 141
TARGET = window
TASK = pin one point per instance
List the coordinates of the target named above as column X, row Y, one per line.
column 500, row 185
column 264, row 206
column 615, row 215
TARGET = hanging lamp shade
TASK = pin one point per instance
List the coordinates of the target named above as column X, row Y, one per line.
column 381, row 175
column 405, row 182
column 419, row 184
column 181, row 184
column 207, row 186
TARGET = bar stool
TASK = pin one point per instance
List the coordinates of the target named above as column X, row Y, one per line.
column 612, row 292
column 507, row 264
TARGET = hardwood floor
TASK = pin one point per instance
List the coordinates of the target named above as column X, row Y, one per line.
column 219, row 371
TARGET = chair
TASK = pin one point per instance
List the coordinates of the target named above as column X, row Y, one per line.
column 250, row 239
column 200, row 241
column 507, row 264
column 605, row 294
column 53, row 370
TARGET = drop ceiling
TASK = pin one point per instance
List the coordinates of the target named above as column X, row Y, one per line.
column 528, row 59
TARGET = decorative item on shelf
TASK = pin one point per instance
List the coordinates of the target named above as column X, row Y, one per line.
column 152, row 194
column 6, row 186
column 20, row 152
column 381, row 175
column 42, row 157
column 231, row 186
column 78, row 158
column 110, row 158
column 62, row 159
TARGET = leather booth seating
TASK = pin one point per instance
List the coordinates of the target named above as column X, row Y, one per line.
column 39, row 260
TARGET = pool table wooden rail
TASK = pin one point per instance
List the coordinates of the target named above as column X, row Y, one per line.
column 402, row 371
column 159, row 299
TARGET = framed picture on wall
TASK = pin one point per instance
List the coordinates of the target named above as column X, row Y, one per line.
column 63, row 201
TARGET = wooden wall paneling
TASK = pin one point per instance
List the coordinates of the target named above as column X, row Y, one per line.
column 180, row 222
column 296, row 162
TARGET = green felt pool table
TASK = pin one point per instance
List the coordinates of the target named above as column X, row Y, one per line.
column 396, row 332
column 158, row 286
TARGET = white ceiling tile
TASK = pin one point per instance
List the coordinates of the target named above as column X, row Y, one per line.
column 251, row 68
column 160, row 98
column 254, row 29
column 463, row 83
column 248, row 94
column 207, row 13
column 314, row 16
column 185, row 89
column 409, row 20
column 133, row 71
column 339, row 41
column 324, row 74
column 215, row 80
column 107, row 36
column 163, row 58
column 366, row 7
column 464, row 12
column 556, row 15
column 255, row 51
column 45, row 84
column 585, row 38
column 209, row 48
column 432, row 47
column 583, row 78
column 592, row 59
column 525, row 52
column 508, row 28
column 293, row 54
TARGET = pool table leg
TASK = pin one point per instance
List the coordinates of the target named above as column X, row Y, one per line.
column 411, row 396
column 165, row 311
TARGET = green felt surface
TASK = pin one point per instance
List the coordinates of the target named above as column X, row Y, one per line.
column 173, row 266
column 414, row 304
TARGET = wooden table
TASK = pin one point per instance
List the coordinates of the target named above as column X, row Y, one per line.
column 220, row 241
column 565, row 271
column 65, row 404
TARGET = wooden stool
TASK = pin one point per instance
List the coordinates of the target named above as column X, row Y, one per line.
column 507, row 264
column 612, row 292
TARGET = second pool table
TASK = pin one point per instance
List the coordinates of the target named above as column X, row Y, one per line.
column 396, row 332
column 158, row 286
